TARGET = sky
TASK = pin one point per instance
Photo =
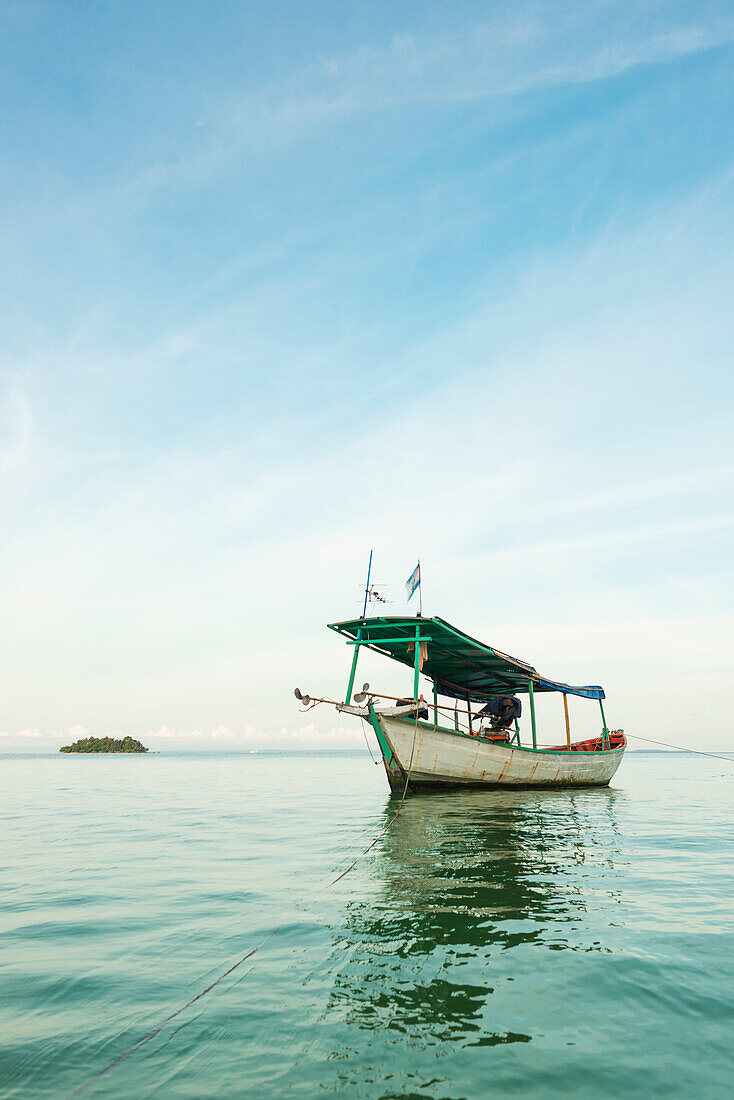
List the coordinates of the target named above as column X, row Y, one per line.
column 285, row 283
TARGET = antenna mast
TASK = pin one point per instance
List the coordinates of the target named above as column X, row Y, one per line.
column 367, row 586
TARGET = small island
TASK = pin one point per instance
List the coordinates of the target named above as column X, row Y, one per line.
column 105, row 744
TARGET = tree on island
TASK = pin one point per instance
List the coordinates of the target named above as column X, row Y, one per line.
column 105, row 744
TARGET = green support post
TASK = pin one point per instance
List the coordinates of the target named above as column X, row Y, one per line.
column 517, row 731
column 435, row 706
column 353, row 673
column 532, row 710
column 605, row 732
column 384, row 747
column 417, row 661
column 456, row 717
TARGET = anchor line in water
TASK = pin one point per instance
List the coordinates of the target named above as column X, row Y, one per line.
column 162, row 1024
column 369, row 750
column 392, row 820
column 159, row 1027
column 681, row 748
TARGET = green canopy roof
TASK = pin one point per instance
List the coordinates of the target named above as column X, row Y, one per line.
column 457, row 664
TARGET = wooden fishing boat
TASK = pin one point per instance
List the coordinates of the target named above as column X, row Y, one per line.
column 427, row 744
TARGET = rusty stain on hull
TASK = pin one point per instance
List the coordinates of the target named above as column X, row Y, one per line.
column 443, row 758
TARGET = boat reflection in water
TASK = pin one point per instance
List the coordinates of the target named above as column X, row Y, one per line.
column 462, row 934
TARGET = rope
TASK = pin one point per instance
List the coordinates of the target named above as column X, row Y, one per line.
column 159, row 1027
column 410, row 766
column 392, row 820
column 369, row 750
column 173, row 1016
column 681, row 748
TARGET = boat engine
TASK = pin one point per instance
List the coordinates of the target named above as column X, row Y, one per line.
column 501, row 712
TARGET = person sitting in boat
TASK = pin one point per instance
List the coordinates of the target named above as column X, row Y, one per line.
column 501, row 713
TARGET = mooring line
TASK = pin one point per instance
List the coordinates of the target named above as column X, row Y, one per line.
column 159, row 1027
column 392, row 820
column 369, row 750
column 681, row 748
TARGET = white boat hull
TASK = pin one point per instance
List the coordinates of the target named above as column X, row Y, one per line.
column 435, row 757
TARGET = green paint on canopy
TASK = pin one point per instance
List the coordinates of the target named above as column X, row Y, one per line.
column 457, row 664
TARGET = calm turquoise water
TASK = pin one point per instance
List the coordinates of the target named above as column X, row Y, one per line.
column 528, row 944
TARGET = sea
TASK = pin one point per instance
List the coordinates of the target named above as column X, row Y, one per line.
column 498, row 943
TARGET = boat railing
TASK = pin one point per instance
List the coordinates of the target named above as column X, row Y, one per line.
column 461, row 719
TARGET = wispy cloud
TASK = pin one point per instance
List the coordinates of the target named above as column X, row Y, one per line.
column 248, row 738
column 529, row 48
column 16, row 432
column 446, row 288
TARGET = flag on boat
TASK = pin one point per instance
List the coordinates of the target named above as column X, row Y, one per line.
column 413, row 580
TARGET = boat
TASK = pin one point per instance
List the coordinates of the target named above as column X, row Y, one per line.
column 445, row 741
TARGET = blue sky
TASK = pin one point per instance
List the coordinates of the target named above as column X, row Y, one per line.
column 285, row 282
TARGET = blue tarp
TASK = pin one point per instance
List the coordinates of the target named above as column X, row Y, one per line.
column 592, row 691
